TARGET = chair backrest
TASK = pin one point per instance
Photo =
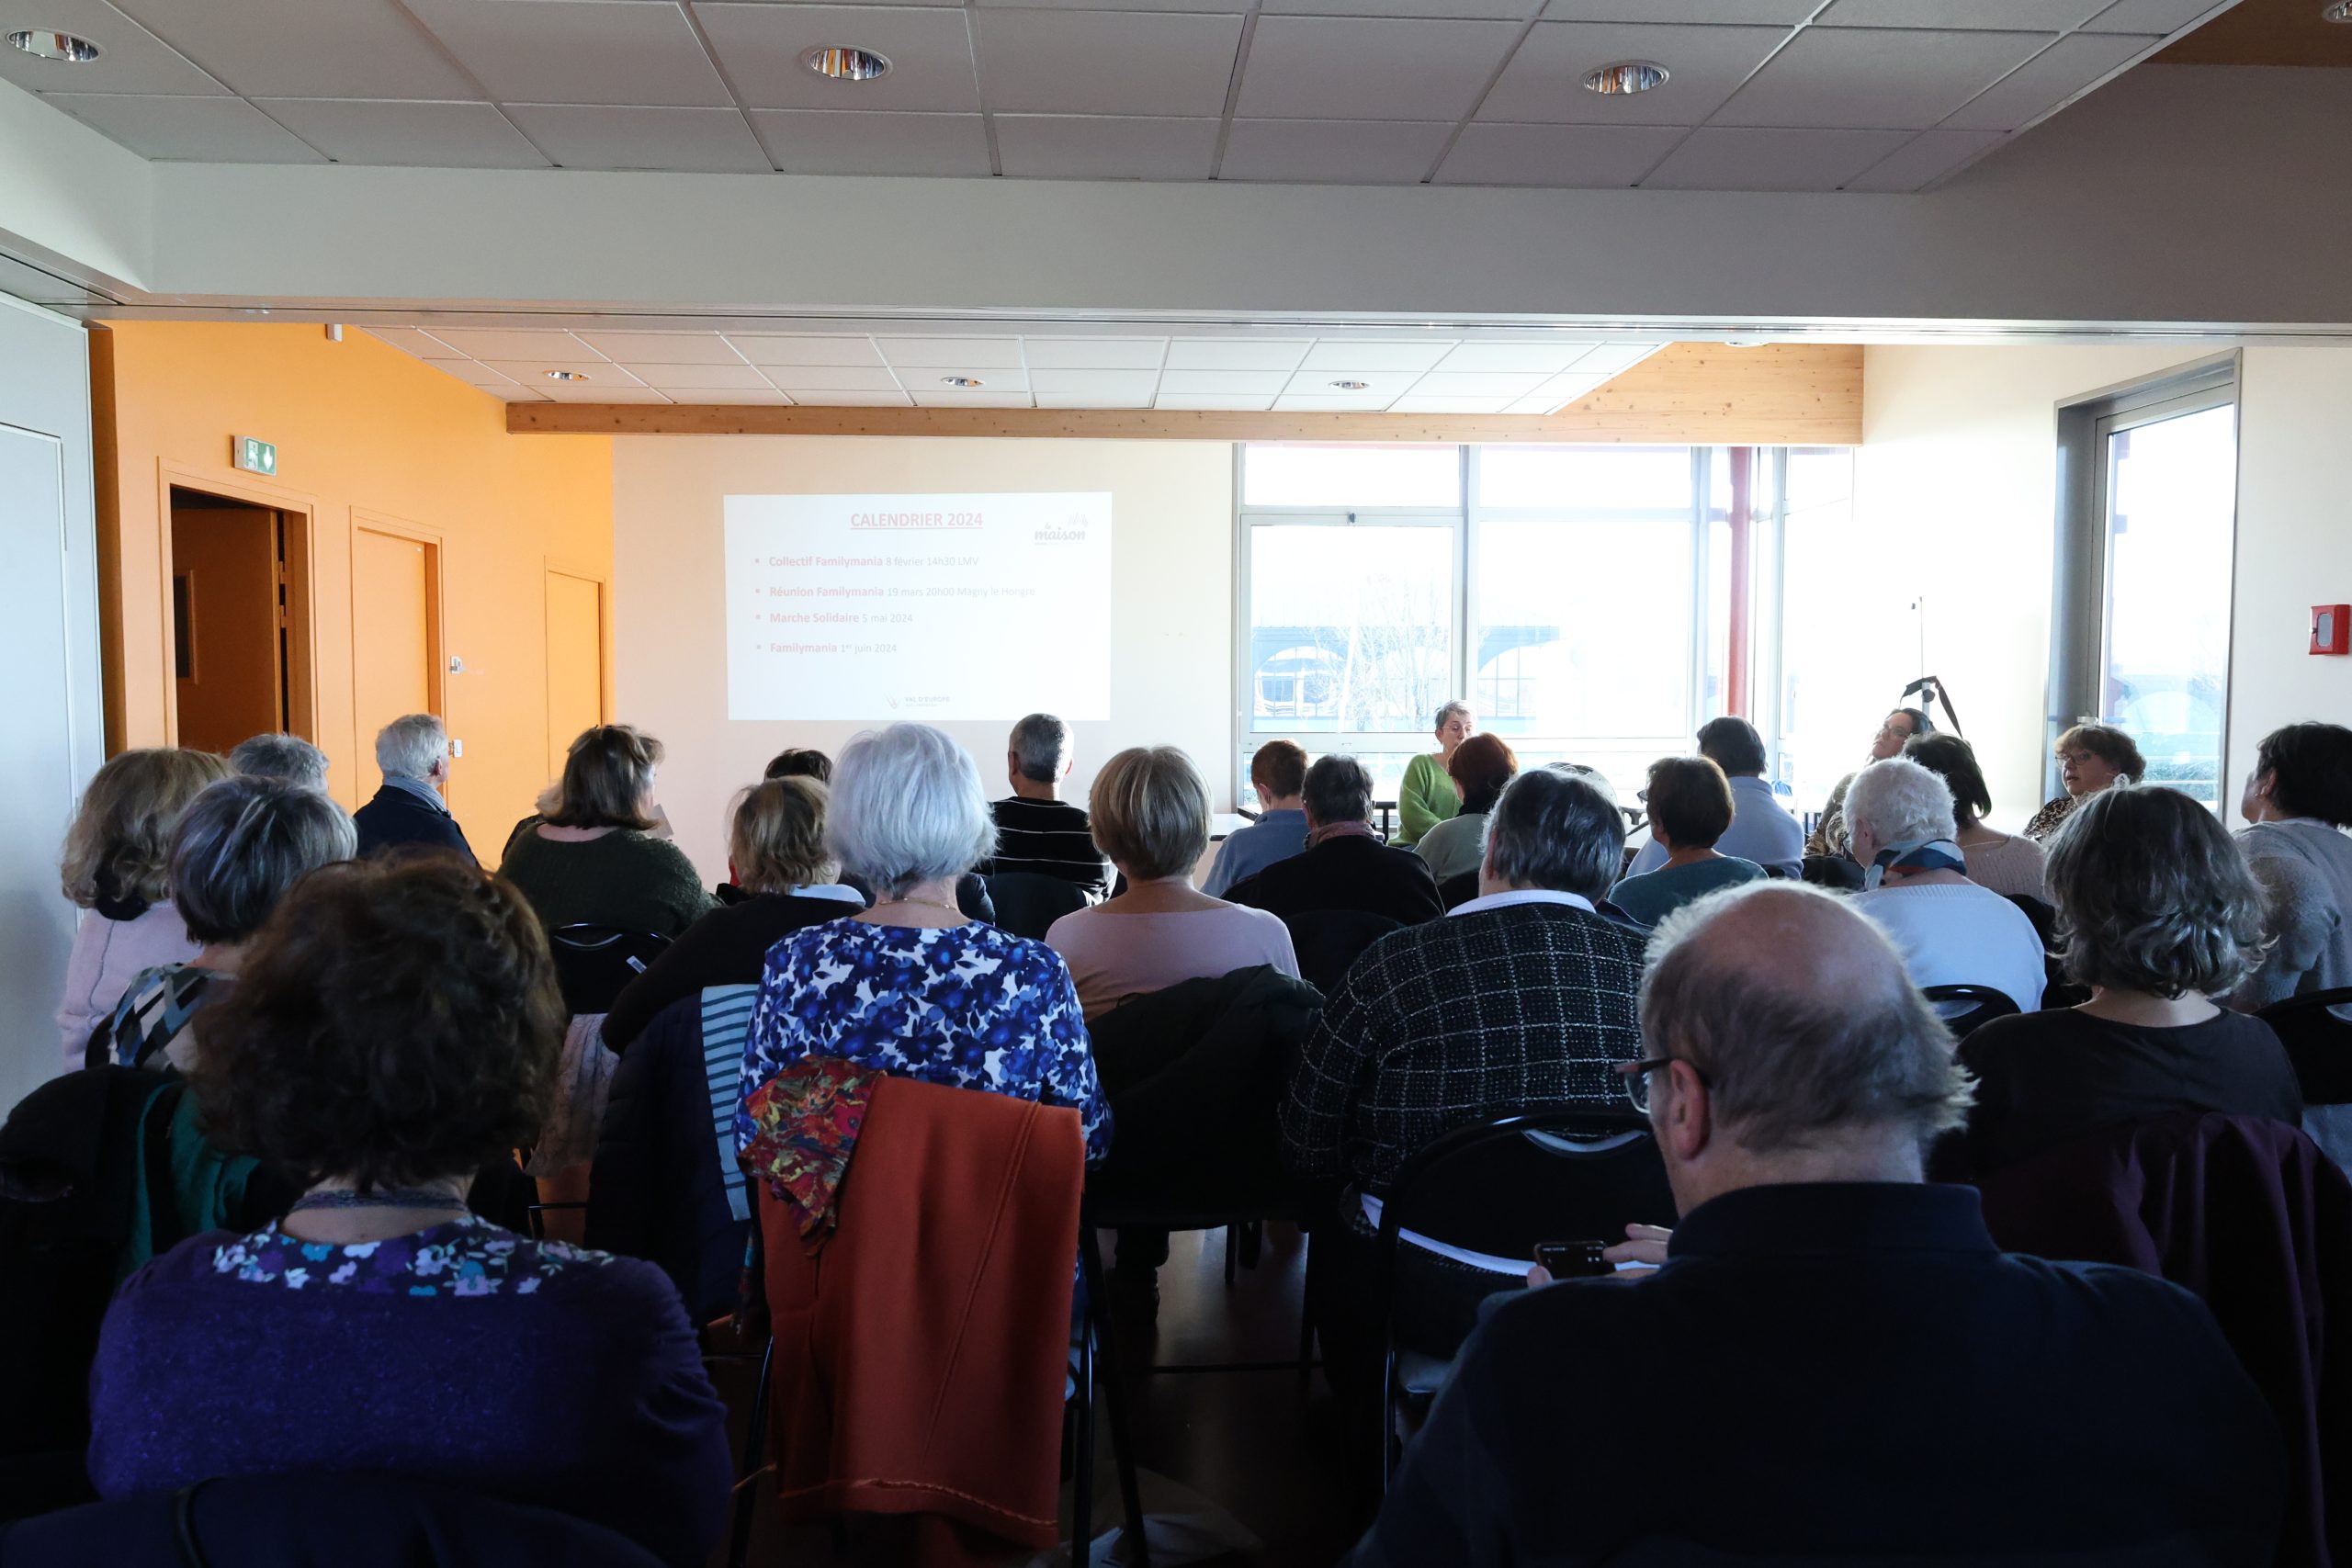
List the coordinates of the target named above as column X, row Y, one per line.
column 2318, row 1041
column 1459, row 888
column 1985, row 1003
column 593, row 962
column 1029, row 902
column 1328, row 942
column 1501, row 1187
column 1837, row 872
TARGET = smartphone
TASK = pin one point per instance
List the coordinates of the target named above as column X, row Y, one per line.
column 1574, row 1260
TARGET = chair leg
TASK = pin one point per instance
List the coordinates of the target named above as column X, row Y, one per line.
column 1232, row 1252
column 1388, row 1418
column 754, row 1445
column 1123, row 1453
column 1254, row 1236
column 1082, row 1513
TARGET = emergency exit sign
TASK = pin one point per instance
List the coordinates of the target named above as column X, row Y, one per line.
column 255, row 454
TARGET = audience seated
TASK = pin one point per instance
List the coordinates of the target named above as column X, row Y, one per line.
column 241, row 845
column 808, row 762
column 1690, row 808
column 287, row 757
column 394, row 1030
column 910, row 987
column 1037, row 832
column 1761, row 829
column 1427, row 796
column 1896, row 730
column 1150, row 815
column 116, row 868
column 1479, row 768
column 2091, row 757
column 591, row 858
column 1278, row 775
column 1950, row 931
column 412, row 753
column 1835, row 1361
column 777, row 849
column 2160, row 912
column 2298, row 802
column 2008, row 863
column 1344, row 865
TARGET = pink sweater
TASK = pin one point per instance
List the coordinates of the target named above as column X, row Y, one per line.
column 1112, row 956
column 107, row 953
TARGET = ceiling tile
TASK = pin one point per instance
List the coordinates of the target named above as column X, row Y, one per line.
column 1567, row 388
column 442, row 136
column 858, row 141
column 593, row 392
column 2048, row 80
column 764, row 348
column 799, row 379
column 1762, row 13
column 1111, row 62
column 1417, row 403
column 1222, row 6
column 1499, row 10
column 1237, row 402
column 1499, row 385
column 1612, row 357
column 1926, row 157
column 1908, row 77
column 198, row 130
column 550, row 343
column 929, row 48
column 730, row 396
column 662, row 348
column 594, row 372
column 989, row 352
column 1094, row 147
column 1236, row 354
column 2147, row 16
column 2020, row 16
column 1566, row 157
column 1772, row 160
column 412, row 340
column 1335, row 402
column 1544, row 358
column 474, row 373
column 1544, row 81
column 1381, row 387
column 1341, row 353
column 576, row 51
column 1225, row 383
column 741, row 378
column 1092, row 401
column 132, row 59
column 945, row 398
column 307, row 48
column 1333, row 151
column 868, row 400
column 1343, row 67
column 924, row 380
column 691, row 140
column 1093, row 353
column 1131, row 388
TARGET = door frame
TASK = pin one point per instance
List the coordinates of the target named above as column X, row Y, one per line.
column 554, row 566
column 299, row 516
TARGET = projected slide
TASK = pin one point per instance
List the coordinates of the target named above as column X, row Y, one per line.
column 875, row 607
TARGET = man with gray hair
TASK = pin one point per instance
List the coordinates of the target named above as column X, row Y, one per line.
column 287, row 757
column 412, row 751
column 1037, row 832
column 1344, row 865
column 1835, row 1361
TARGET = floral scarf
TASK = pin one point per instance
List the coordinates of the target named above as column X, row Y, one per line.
column 805, row 1123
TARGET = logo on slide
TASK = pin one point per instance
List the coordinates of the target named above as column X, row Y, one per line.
column 1070, row 530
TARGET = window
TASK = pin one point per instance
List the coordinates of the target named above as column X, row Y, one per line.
column 1836, row 647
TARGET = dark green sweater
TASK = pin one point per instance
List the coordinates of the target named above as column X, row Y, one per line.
column 626, row 878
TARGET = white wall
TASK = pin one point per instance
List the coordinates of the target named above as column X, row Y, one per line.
column 1171, row 619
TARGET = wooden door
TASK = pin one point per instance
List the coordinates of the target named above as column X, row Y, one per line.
column 575, row 661
column 226, row 616
column 392, row 623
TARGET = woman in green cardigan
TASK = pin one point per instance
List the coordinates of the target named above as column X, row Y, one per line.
column 1427, row 796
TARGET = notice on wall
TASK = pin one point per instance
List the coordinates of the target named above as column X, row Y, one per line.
column 881, row 607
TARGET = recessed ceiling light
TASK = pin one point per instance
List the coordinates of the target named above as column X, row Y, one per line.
column 967, row 382
column 2339, row 12
column 1352, row 386
column 845, row 64
column 47, row 43
column 567, row 375
column 1743, row 343
column 1626, row 76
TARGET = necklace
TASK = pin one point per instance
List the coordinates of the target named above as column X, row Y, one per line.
column 381, row 1198
column 918, row 904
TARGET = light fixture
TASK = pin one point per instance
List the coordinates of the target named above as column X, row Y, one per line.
column 2339, row 12
column 1626, row 76
column 567, row 375
column 968, row 383
column 47, row 43
column 837, row 64
column 1744, row 342
column 1352, row 386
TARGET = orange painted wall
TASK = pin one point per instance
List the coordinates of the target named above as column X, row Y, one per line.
column 359, row 425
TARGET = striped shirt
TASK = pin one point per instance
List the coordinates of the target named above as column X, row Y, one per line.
column 1047, row 838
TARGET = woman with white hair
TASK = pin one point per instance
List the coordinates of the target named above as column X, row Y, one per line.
column 910, row 987
column 1915, row 885
column 1428, row 797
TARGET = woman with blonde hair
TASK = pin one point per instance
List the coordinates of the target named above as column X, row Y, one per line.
column 117, row 867
column 592, row 858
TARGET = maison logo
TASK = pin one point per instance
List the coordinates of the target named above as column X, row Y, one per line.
column 1069, row 530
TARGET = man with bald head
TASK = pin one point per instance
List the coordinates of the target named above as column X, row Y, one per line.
column 1834, row 1360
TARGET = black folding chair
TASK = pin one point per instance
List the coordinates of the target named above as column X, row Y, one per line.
column 1029, row 902
column 593, row 962
column 1500, row 1188
column 1984, row 1004
column 2318, row 1042
column 1328, row 942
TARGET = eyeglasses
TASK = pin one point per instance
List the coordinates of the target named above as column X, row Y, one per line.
column 1637, row 1079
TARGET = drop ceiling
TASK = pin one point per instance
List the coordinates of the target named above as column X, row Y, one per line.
column 1422, row 374
column 1881, row 95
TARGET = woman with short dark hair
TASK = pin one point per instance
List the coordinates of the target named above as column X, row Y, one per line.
column 1479, row 768
column 2297, row 803
column 593, row 857
column 2091, row 757
column 394, row 1029
column 2158, row 914
column 2008, row 863
column 1690, row 805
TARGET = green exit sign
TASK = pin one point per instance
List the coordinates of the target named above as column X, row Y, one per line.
column 255, row 455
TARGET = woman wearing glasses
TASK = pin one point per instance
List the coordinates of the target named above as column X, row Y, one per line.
column 2091, row 757
column 1828, row 837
